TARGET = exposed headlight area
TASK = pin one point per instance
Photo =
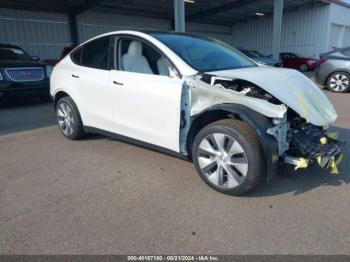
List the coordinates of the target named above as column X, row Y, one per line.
column 48, row 71
column 1, row 78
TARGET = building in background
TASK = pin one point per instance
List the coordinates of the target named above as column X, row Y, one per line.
column 308, row 31
column 309, row 27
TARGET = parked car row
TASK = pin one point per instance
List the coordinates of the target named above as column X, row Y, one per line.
column 260, row 58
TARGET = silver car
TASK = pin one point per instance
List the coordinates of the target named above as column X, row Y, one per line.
column 333, row 70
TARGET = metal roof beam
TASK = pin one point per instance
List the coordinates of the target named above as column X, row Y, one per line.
column 221, row 9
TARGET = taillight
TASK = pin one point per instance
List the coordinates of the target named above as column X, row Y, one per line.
column 322, row 61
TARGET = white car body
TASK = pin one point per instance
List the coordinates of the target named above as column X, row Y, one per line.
column 149, row 107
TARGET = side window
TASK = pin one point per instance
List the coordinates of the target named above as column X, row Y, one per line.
column 76, row 56
column 139, row 57
column 95, row 53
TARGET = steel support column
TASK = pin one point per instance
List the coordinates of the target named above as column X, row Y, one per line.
column 277, row 28
column 179, row 15
column 73, row 28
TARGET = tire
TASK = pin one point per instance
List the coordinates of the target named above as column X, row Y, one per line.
column 68, row 119
column 233, row 172
column 303, row 68
column 339, row 82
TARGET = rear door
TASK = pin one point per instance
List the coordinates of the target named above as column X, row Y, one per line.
column 146, row 106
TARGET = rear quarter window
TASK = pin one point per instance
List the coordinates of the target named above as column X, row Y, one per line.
column 76, row 56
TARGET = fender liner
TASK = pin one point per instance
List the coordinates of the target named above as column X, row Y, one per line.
column 260, row 124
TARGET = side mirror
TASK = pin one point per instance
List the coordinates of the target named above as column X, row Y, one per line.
column 35, row 58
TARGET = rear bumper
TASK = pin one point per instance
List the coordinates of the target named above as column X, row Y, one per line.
column 320, row 77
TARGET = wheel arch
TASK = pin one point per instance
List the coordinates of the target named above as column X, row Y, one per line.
column 57, row 96
column 258, row 122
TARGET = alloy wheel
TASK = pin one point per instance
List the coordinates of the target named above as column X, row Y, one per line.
column 222, row 160
column 65, row 118
column 339, row 82
column 303, row 67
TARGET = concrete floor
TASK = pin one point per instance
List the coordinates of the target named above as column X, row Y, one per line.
column 101, row 196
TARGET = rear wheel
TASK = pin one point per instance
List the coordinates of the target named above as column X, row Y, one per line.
column 68, row 118
column 303, row 67
column 229, row 158
column 338, row 82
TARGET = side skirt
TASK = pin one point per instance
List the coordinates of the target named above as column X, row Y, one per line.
column 136, row 142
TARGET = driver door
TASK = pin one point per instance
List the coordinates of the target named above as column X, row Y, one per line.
column 146, row 104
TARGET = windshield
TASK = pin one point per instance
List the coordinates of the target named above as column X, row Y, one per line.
column 13, row 53
column 204, row 54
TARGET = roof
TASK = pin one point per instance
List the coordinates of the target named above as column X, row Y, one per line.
column 224, row 12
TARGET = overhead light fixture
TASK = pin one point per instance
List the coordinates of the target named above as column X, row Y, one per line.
column 189, row 1
column 259, row 14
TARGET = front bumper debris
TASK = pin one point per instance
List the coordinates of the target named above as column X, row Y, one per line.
column 312, row 144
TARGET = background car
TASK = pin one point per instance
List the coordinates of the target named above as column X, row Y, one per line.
column 303, row 64
column 21, row 73
column 333, row 70
column 260, row 58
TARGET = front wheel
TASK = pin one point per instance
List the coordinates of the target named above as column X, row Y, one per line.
column 228, row 156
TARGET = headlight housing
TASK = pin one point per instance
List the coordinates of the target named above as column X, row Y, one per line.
column 1, row 77
column 48, row 71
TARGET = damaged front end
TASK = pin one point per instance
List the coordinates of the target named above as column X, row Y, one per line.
column 298, row 112
column 302, row 144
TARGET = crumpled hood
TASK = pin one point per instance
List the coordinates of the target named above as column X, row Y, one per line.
column 292, row 88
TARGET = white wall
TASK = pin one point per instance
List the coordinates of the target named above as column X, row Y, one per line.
column 339, row 31
column 303, row 31
column 41, row 34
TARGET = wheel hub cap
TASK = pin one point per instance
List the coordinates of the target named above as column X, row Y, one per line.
column 65, row 118
column 339, row 82
column 222, row 160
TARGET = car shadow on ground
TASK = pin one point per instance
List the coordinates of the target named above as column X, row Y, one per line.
column 17, row 101
column 300, row 181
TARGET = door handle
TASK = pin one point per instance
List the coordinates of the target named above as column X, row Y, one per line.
column 75, row 76
column 118, row 83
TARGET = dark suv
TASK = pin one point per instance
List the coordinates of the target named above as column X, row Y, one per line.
column 21, row 73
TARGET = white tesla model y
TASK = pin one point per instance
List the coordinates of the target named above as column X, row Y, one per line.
column 197, row 98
